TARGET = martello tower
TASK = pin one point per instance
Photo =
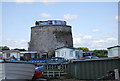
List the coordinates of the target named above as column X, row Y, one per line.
column 46, row 36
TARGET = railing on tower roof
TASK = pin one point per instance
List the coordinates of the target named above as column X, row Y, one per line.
column 50, row 22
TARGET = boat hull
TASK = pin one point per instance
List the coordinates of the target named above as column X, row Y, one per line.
column 16, row 70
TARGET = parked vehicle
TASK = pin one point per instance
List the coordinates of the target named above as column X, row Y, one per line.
column 56, row 59
column 91, row 57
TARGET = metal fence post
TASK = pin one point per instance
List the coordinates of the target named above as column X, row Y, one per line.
column 116, row 74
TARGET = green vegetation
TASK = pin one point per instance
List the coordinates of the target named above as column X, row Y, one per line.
column 4, row 48
column 83, row 48
column 96, row 52
column 7, row 48
column 100, row 52
column 19, row 49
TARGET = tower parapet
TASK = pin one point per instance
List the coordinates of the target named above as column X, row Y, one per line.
column 50, row 22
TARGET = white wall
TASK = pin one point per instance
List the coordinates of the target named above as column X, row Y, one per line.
column 68, row 53
column 16, row 55
column 119, row 52
column 113, row 52
column 65, row 53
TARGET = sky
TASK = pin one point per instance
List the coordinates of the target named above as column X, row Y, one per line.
column 94, row 24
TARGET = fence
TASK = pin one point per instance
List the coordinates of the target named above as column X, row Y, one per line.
column 56, row 66
column 55, row 70
column 92, row 69
column 54, row 74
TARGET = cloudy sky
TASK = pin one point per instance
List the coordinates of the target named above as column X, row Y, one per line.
column 94, row 24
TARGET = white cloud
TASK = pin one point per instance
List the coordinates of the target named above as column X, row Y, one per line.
column 93, row 43
column 111, row 39
column 110, row 32
column 87, row 37
column 48, row 2
column 45, row 15
column 96, row 30
column 70, row 17
column 24, row 1
column 98, row 43
column 117, row 18
column 82, row 39
column 15, row 43
column 104, row 43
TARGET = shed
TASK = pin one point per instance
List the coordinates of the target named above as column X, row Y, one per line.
column 10, row 53
column 69, row 53
column 114, row 51
column 28, row 55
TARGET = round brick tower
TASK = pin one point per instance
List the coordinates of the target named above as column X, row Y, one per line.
column 46, row 36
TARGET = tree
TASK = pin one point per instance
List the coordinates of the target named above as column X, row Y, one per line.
column 100, row 52
column 19, row 49
column 4, row 48
column 83, row 48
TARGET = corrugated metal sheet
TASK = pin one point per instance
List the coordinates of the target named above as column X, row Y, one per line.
column 92, row 69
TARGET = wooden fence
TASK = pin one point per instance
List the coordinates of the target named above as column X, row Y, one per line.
column 55, row 70
column 54, row 74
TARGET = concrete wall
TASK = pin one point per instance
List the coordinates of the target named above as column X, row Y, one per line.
column 50, row 37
